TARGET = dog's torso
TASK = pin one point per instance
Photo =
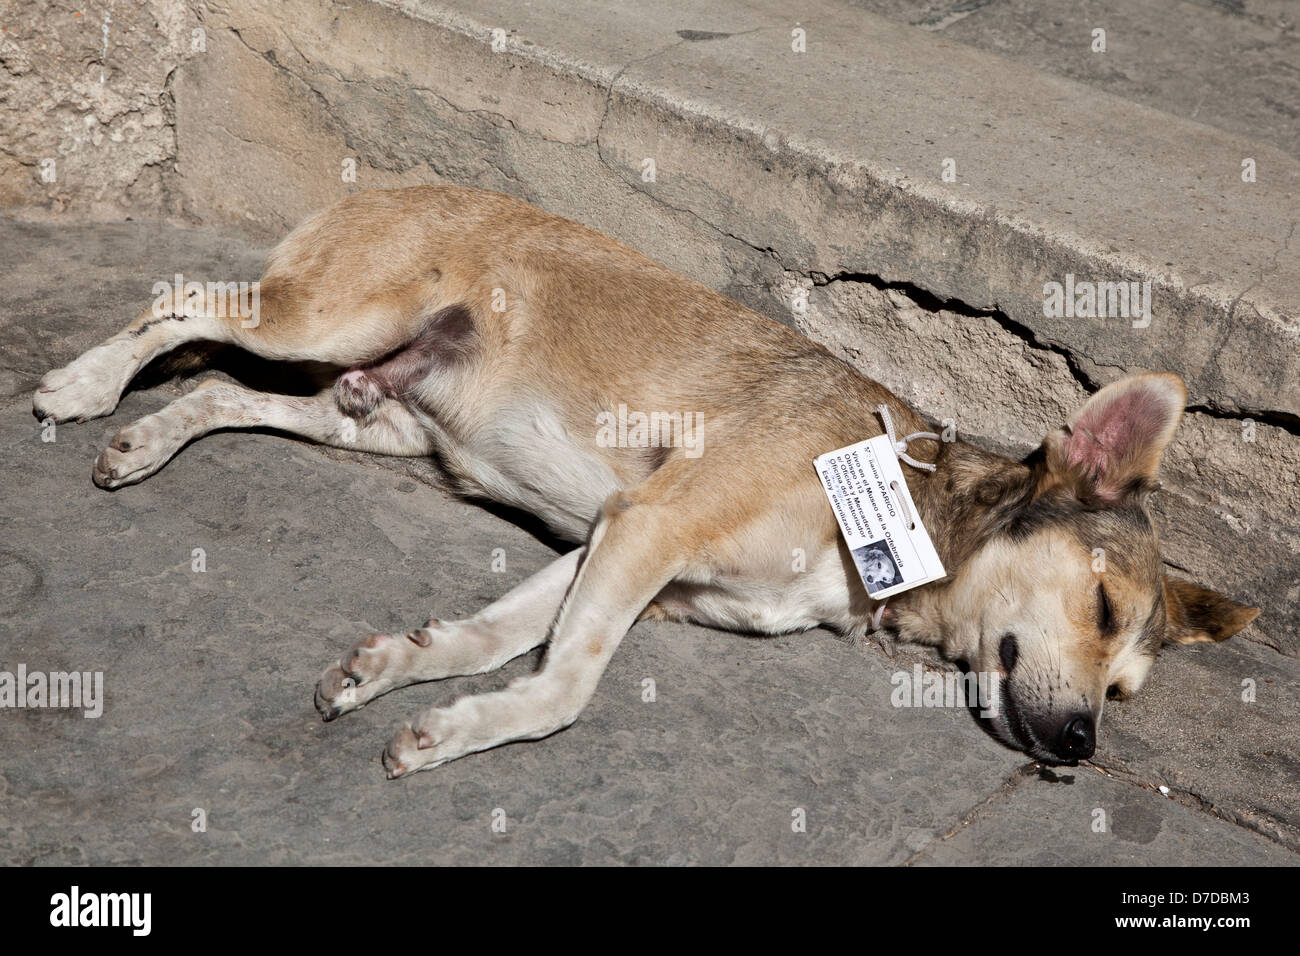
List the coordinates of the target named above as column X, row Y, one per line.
column 577, row 373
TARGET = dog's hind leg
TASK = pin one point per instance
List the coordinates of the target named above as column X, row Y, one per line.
column 141, row 448
column 91, row 385
column 500, row 632
column 288, row 320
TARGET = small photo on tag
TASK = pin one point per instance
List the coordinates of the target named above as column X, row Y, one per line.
column 877, row 566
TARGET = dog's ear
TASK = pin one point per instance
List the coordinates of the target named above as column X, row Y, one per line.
column 1112, row 446
column 1196, row 614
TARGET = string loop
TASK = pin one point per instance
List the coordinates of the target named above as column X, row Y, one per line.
column 900, row 447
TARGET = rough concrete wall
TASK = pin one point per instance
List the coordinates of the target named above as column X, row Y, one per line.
column 290, row 92
column 85, row 121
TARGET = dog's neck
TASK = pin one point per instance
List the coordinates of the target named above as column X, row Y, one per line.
column 961, row 504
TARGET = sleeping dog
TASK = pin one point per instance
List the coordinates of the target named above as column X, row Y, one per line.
column 481, row 330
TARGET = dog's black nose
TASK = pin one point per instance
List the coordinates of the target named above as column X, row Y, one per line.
column 1078, row 739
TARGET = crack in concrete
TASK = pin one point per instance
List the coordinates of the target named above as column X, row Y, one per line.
column 344, row 130
column 609, row 98
column 1270, row 828
column 1230, row 321
column 930, row 302
column 977, row 812
column 1264, row 273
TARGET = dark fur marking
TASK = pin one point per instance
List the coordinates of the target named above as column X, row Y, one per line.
column 136, row 333
column 447, row 338
column 1153, row 629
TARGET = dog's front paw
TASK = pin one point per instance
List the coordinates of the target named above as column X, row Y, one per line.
column 375, row 666
column 357, row 678
column 432, row 740
column 88, row 388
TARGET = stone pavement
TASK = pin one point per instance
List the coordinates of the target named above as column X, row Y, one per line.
column 208, row 676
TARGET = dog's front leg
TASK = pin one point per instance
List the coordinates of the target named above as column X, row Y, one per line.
column 635, row 550
column 513, row 625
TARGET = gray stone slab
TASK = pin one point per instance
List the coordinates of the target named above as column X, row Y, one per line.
column 209, row 675
column 69, row 288
column 1225, row 64
column 209, row 678
column 1217, row 725
column 1082, row 818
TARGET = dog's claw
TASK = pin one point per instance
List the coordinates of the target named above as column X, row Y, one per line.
column 326, row 710
column 421, row 636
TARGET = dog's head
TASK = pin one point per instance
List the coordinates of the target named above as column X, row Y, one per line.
column 1057, row 585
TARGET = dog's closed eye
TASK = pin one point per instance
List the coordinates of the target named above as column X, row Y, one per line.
column 1106, row 622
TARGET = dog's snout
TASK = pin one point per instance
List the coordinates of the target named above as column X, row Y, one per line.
column 1078, row 738
column 1008, row 654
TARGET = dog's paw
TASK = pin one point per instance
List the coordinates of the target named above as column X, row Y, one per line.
column 375, row 666
column 357, row 678
column 432, row 740
column 136, row 452
column 88, row 388
column 357, row 393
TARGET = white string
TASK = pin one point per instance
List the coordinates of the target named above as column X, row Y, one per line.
column 885, row 644
column 902, row 506
column 900, row 447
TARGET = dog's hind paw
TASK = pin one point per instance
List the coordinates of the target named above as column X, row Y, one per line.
column 357, row 393
column 137, row 451
column 88, row 388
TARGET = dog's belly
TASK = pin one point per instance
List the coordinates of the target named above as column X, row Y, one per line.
column 525, row 458
column 765, row 600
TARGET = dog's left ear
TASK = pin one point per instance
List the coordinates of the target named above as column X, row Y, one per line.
column 1112, row 446
column 1196, row 614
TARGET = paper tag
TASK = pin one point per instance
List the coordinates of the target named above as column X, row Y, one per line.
column 877, row 517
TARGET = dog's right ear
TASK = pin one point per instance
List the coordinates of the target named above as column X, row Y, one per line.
column 1196, row 614
column 1112, row 446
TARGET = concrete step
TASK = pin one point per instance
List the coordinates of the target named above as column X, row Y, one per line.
column 1232, row 65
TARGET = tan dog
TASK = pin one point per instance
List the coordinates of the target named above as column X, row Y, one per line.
column 499, row 338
